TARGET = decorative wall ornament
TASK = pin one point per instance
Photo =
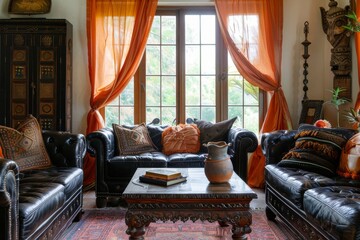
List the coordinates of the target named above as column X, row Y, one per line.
column 29, row 7
column 306, row 55
column 333, row 21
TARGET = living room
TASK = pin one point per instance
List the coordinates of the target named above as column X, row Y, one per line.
column 296, row 13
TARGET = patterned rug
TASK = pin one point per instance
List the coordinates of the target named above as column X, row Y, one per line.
column 109, row 224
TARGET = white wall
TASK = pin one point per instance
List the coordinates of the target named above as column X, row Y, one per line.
column 296, row 12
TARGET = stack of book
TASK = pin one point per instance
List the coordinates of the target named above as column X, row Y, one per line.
column 162, row 177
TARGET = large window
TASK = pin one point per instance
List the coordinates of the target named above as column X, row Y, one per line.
column 187, row 72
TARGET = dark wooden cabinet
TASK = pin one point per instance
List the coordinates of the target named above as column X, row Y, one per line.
column 36, row 72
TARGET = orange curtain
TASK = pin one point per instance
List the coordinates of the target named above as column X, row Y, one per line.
column 243, row 23
column 357, row 46
column 117, row 31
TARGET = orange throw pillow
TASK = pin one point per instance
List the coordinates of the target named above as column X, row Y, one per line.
column 183, row 138
column 349, row 166
column 1, row 153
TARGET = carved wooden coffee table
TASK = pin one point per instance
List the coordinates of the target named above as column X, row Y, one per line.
column 194, row 199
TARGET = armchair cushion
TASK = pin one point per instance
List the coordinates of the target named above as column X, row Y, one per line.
column 316, row 149
column 25, row 145
column 133, row 140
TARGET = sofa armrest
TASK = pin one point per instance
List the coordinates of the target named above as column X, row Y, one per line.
column 242, row 142
column 101, row 144
column 276, row 144
column 9, row 199
column 65, row 149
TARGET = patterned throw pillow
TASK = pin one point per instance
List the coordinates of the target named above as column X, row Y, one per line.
column 213, row 132
column 317, row 149
column 349, row 166
column 182, row 138
column 133, row 140
column 25, row 145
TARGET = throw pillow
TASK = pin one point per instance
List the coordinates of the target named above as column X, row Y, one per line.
column 349, row 166
column 213, row 132
column 25, row 145
column 183, row 138
column 1, row 153
column 317, row 149
column 134, row 140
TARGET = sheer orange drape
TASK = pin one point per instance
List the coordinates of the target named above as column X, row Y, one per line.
column 117, row 31
column 357, row 46
column 260, row 65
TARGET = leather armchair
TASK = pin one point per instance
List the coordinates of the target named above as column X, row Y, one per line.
column 41, row 204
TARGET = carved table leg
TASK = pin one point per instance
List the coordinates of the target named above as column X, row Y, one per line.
column 136, row 233
column 136, row 226
column 241, row 225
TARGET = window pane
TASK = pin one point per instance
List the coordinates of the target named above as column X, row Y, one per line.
column 192, row 90
column 168, row 35
column 152, row 60
column 208, row 114
column 153, row 91
column 168, row 91
column 127, row 115
column 235, row 91
column 192, row 59
column 208, row 29
column 236, row 112
column 192, row 112
column 154, row 36
column 208, row 59
column 251, row 119
column 127, row 95
column 168, row 60
column 168, row 115
column 251, row 94
column 151, row 113
column 208, row 96
column 112, row 116
column 192, row 31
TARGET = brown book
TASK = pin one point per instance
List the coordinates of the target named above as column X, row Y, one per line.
column 161, row 182
column 164, row 174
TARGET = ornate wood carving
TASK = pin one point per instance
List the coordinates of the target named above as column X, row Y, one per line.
column 333, row 21
column 306, row 55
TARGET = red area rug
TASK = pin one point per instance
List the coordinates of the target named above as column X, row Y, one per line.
column 109, row 224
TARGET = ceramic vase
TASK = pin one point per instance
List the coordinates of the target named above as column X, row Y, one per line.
column 218, row 166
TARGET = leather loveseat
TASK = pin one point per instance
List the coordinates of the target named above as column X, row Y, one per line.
column 41, row 204
column 114, row 171
column 312, row 205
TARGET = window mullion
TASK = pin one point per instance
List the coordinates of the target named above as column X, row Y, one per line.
column 180, row 80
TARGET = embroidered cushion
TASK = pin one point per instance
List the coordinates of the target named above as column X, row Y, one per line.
column 317, row 149
column 349, row 166
column 134, row 140
column 183, row 138
column 25, row 145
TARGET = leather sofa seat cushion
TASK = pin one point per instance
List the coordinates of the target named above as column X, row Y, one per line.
column 336, row 209
column 125, row 166
column 186, row 160
column 70, row 178
column 37, row 202
column 292, row 183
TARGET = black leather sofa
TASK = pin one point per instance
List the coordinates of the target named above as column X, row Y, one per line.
column 113, row 172
column 41, row 204
column 312, row 206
